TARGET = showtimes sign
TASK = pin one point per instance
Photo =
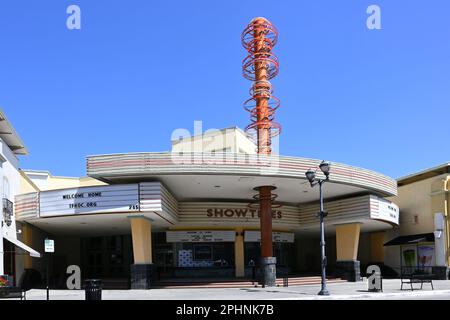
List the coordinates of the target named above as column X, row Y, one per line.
column 244, row 213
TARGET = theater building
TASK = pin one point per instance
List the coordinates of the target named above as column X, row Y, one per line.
column 139, row 217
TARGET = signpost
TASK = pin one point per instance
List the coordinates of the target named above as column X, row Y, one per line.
column 49, row 246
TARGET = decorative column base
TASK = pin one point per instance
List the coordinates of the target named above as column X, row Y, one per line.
column 441, row 273
column 142, row 276
column 268, row 272
column 348, row 270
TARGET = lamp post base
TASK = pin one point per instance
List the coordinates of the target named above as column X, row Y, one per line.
column 324, row 292
column 268, row 272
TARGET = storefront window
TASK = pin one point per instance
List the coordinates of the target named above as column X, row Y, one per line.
column 106, row 257
column 284, row 253
column 6, row 191
column 205, row 255
column 203, row 252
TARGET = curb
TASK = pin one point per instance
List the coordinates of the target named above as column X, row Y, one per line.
column 373, row 296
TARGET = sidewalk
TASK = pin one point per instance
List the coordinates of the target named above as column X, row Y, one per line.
column 339, row 291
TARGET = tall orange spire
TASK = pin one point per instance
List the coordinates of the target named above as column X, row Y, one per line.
column 260, row 66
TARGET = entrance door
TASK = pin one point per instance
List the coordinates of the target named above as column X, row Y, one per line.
column 106, row 257
column 9, row 256
column 164, row 260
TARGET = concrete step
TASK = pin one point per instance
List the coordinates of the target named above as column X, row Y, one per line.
column 123, row 284
column 236, row 283
column 115, row 284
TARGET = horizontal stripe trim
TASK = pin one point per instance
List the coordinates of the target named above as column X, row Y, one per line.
column 148, row 164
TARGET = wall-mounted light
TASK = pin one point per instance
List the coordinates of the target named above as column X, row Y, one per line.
column 438, row 234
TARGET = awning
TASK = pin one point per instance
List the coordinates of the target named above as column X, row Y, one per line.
column 411, row 239
column 23, row 246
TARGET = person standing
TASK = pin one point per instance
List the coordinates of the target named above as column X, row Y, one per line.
column 252, row 265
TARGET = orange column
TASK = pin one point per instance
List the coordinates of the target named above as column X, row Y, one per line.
column 266, row 221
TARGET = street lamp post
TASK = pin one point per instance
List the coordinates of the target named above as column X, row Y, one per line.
column 311, row 176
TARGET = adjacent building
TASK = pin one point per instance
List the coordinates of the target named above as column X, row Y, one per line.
column 423, row 237
column 11, row 147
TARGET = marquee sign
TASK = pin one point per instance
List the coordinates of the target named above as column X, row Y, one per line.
column 387, row 211
column 88, row 200
column 280, row 237
column 200, row 236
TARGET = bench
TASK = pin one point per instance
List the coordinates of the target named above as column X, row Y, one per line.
column 13, row 292
column 416, row 276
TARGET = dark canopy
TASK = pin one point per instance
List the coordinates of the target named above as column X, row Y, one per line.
column 411, row 239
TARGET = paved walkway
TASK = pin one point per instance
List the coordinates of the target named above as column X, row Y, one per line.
column 339, row 291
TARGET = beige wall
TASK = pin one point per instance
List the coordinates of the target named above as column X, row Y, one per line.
column 347, row 241
column 89, row 182
column 392, row 257
column 63, row 183
column 440, row 203
column 239, row 255
column 414, row 199
column 424, row 199
column 54, row 182
column 26, row 185
column 377, row 240
column 141, row 229
column 225, row 140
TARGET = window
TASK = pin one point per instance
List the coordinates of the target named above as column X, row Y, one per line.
column 6, row 191
column 203, row 252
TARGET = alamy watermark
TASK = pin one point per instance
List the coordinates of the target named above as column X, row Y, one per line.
column 73, row 22
column 222, row 147
column 374, row 278
column 374, row 20
column 74, row 280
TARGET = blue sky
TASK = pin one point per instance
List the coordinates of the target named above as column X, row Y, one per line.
column 138, row 70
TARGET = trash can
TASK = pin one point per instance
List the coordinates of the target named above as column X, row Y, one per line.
column 93, row 289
